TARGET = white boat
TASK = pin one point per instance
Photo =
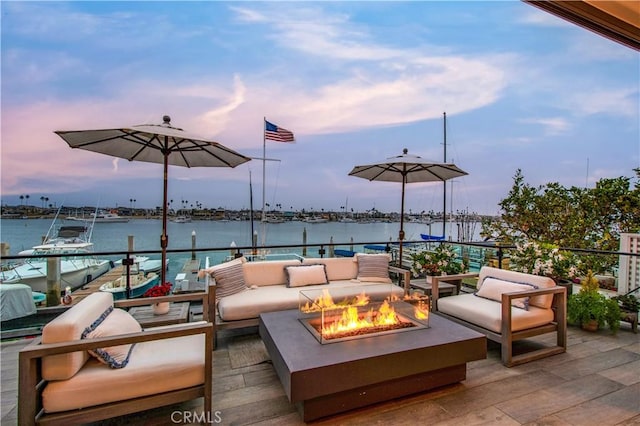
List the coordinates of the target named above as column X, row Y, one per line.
column 182, row 219
column 316, row 219
column 102, row 217
column 145, row 265
column 75, row 271
column 138, row 283
column 273, row 219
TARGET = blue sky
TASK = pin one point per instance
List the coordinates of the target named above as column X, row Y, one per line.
column 355, row 81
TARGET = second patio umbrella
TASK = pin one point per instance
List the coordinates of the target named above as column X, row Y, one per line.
column 407, row 168
column 155, row 143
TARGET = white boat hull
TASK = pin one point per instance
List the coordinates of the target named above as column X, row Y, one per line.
column 73, row 273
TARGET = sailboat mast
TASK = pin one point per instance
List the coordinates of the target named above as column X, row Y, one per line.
column 444, row 182
column 251, row 212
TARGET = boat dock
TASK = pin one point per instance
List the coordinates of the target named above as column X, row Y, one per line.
column 84, row 291
column 189, row 269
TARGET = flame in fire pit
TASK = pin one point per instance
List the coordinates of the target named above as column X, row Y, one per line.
column 352, row 320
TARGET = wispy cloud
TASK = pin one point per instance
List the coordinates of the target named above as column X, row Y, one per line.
column 551, row 125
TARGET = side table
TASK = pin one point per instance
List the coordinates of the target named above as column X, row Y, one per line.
column 178, row 313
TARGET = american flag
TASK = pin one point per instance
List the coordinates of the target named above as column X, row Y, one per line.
column 278, row 134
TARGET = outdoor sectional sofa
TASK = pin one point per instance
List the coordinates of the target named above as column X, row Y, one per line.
column 246, row 289
column 130, row 369
column 509, row 306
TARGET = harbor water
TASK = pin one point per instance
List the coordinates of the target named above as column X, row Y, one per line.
column 23, row 234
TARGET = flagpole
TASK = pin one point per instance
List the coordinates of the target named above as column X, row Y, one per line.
column 264, row 174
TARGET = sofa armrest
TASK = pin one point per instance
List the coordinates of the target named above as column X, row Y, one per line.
column 46, row 349
column 405, row 275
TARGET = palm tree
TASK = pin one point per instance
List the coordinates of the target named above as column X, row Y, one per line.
column 21, row 199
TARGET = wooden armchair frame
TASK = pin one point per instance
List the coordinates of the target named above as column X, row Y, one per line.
column 506, row 337
column 31, row 384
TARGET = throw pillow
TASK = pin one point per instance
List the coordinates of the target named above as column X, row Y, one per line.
column 210, row 270
column 492, row 288
column 229, row 280
column 115, row 322
column 373, row 267
column 299, row 276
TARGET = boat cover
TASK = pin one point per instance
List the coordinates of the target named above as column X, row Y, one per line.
column 16, row 301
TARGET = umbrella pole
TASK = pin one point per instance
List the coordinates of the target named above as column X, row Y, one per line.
column 163, row 238
column 401, row 233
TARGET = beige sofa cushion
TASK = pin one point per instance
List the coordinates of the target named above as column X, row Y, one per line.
column 305, row 275
column 266, row 273
column 154, row 367
column 69, row 326
column 250, row 304
column 488, row 314
column 538, row 281
column 338, row 268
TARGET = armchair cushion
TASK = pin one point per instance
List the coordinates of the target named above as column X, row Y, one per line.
column 487, row 313
column 154, row 367
column 117, row 321
column 69, row 326
column 493, row 288
column 303, row 275
column 373, row 267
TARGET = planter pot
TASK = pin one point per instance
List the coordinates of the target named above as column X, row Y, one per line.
column 590, row 325
column 161, row 308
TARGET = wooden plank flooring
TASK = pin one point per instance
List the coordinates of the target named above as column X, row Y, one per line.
column 597, row 382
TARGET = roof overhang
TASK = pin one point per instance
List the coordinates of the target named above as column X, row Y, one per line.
column 616, row 20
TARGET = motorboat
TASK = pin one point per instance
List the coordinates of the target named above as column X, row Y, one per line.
column 75, row 271
column 181, row 219
column 102, row 217
column 139, row 283
column 316, row 219
column 273, row 219
column 145, row 264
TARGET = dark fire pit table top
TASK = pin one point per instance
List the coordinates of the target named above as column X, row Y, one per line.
column 327, row 379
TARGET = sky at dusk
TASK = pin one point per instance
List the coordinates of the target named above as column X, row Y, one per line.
column 356, row 82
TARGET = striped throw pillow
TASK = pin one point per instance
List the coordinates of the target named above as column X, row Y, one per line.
column 373, row 267
column 229, row 280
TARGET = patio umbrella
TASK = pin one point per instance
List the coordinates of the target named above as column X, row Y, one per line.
column 155, row 143
column 407, row 168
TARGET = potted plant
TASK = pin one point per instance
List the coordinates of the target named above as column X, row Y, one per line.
column 443, row 260
column 159, row 290
column 590, row 309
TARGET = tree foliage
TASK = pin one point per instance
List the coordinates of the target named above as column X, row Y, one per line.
column 582, row 218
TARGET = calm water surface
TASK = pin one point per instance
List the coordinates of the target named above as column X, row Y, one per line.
column 22, row 234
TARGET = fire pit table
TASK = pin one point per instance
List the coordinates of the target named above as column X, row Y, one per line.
column 326, row 379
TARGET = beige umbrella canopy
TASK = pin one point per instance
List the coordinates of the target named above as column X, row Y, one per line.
column 155, row 143
column 407, row 168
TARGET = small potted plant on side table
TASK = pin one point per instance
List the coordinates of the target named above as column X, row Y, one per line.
column 160, row 308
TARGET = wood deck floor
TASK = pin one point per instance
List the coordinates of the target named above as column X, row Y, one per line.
column 597, row 382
